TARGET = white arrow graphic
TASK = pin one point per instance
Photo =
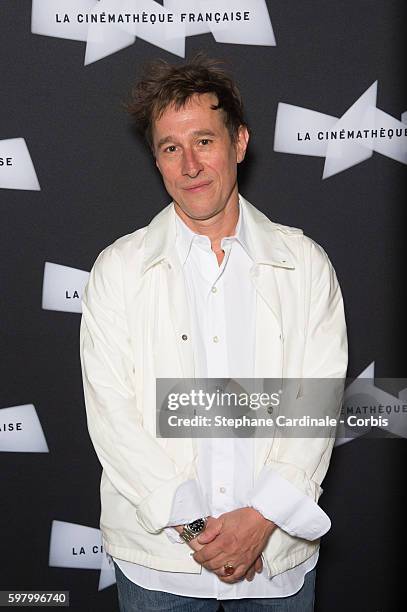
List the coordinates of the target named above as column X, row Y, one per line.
column 344, row 142
column 363, row 392
column 107, row 26
column 63, row 287
column 21, row 431
column 17, row 170
column 80, row 547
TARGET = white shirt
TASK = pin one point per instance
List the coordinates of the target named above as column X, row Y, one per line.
column 222, row 303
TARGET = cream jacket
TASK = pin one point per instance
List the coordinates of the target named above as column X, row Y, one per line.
column 135, row 315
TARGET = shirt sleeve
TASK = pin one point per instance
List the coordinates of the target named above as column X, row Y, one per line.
column 188, row 505
column 281, row 502
column 173, row 535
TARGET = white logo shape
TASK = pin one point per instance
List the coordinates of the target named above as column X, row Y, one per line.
column 63, row 287
column 21, row 431
column 77, row 546
column 18, row 172
column 364, row 388
column 106, row 29
column 344, row 142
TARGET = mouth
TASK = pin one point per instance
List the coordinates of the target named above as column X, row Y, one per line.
column 197, row 188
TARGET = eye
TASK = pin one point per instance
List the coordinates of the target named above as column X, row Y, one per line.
column 170, row 149
column 205, row 141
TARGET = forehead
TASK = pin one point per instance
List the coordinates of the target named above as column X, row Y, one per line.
column 197, row 113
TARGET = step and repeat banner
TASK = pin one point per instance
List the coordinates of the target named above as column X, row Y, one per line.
column 324, row 94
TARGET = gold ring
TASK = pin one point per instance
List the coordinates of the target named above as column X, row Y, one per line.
column 229, row 569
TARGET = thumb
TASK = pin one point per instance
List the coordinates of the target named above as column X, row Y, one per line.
column 210, row 532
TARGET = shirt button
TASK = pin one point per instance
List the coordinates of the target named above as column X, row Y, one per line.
column 184, row 337
column 222, row 489
column 215, row 339
column 214, row 289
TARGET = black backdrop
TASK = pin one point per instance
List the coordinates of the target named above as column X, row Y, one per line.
column 98, row 182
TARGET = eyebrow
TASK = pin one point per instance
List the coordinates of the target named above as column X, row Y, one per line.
column 170, row 138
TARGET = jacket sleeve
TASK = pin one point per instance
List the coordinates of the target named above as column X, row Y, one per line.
column 304, row 461
column 133, row 460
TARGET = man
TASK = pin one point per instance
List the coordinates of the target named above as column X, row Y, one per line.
column 210, row 288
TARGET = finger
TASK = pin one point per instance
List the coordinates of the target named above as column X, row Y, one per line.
column 230, row 579
column 250, row 573
column 216, row 563
column 258, row 565
column 207, row 553
column 195, row 545
column 211, row 531
column 238, row 575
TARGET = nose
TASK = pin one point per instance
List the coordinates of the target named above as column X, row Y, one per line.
column 191, row 165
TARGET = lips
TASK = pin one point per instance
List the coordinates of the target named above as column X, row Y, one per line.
column 198, row 187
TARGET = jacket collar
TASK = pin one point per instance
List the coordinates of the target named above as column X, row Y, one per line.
column 260, row 237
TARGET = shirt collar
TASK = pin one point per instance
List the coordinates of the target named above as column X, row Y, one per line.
column 185, row 236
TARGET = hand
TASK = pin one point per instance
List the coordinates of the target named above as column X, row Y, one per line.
column 194, row 544
column 237, row 537
column 257, row 566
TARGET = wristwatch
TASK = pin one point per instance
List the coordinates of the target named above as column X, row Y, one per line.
column 192, row 530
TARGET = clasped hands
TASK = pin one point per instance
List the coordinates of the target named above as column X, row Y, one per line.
column 237, row 537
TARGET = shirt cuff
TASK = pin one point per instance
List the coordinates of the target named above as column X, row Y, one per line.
column 281, row 502
column 188, row 505
column 173, row 535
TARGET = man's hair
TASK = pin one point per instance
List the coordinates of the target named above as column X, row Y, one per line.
column 164, row 84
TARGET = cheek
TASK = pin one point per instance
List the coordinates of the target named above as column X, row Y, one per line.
column 168, row 172
column 226, row 171
column 220, row 165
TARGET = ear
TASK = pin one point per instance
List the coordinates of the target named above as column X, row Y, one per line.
column 241, row 143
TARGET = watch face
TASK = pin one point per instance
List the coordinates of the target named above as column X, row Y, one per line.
column 197, row 526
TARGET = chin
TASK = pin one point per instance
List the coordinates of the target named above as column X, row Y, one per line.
column 200, row 212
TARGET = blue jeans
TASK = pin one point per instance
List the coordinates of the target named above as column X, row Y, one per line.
column 133, row 598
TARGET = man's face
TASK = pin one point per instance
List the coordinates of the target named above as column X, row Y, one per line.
column 196, row 157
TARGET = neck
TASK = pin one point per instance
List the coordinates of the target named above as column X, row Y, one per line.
column 216, row 227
